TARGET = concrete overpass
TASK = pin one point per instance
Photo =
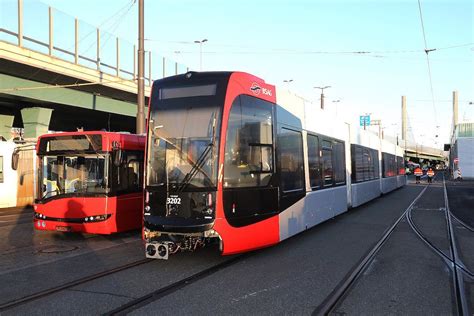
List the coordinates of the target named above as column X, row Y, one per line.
column 45, row 85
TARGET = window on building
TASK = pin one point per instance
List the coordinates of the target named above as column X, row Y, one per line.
column 249, row 143
column 290, row 151
column 1, row 169
column 314, row 161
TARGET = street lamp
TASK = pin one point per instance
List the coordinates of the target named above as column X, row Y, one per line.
column 288, row 81
column 336, row 102
column 322, row 95
column 200, row 51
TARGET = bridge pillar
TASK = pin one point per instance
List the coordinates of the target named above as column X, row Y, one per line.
column 6, row 123
column 35, row 121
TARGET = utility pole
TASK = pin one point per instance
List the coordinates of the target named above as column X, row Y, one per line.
column 322, row 95
column 404, row 117
column 455, row 109
column 404, row 122
column 141, row 70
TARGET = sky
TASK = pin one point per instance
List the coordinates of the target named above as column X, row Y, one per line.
column 371, row 52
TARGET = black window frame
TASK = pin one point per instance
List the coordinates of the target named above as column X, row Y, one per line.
column 114, row 173
column 339, row 159
column 328, row 144
column 364, row 169
column 314, row 162
column 389, row 165
column 301, row 156
column 400, row 165
column 242, row 98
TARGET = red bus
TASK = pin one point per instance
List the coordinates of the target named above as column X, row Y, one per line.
column 89, row 182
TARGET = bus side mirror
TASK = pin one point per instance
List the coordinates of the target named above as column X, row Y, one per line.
column 15, row 159
column 117, row 157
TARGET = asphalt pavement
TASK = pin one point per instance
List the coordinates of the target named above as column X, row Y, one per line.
column 294, row 277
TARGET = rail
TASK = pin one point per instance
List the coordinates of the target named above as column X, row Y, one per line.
column 25, row 27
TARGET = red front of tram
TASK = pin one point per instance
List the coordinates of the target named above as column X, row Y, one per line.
column 89, row 182
column 210, row 166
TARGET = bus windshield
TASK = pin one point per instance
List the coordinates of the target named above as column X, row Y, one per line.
column 183, row 145
column 80, row 174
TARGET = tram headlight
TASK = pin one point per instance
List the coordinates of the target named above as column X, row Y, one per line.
column 151, row 250
column 162, row 251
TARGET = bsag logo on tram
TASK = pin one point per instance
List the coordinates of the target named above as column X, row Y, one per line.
column 256, row 89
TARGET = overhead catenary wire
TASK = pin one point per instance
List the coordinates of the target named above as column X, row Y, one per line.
column 427, row 51
column 252, row 50
column 113, row 27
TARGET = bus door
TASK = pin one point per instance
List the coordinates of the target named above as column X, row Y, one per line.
column 127, row 185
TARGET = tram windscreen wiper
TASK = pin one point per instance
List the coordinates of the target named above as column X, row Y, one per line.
column 201, row 159
column 196, row 168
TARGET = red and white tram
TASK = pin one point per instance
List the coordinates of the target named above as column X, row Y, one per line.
column 233, row 158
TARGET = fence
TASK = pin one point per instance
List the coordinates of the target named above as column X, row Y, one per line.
column 46, row 30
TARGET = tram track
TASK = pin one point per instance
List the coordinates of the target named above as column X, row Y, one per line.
column 458, row 267
column 41, row 294
column 343, row 288
column 459, row 271
column 453, row 261
column 173, row 287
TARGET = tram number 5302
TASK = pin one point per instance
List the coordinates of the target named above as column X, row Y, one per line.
column 173, row 200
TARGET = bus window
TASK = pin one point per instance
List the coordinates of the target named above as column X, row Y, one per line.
column 126, row 176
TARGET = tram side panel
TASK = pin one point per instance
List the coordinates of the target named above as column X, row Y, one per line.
column 365, row 176
column 324, row 194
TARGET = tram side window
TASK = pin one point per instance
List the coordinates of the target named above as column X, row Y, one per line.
column 314, row 163
column 127, row 177
column 375, row 162
column 339, row 163
column 290, row 145
column 249, row 143
column 400, row 165
column 1, row 169
column 365, row 164
column 389, row 165
column 327, row 163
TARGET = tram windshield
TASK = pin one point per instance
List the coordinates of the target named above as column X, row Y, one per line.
column 183, row 144
column 81, row 174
